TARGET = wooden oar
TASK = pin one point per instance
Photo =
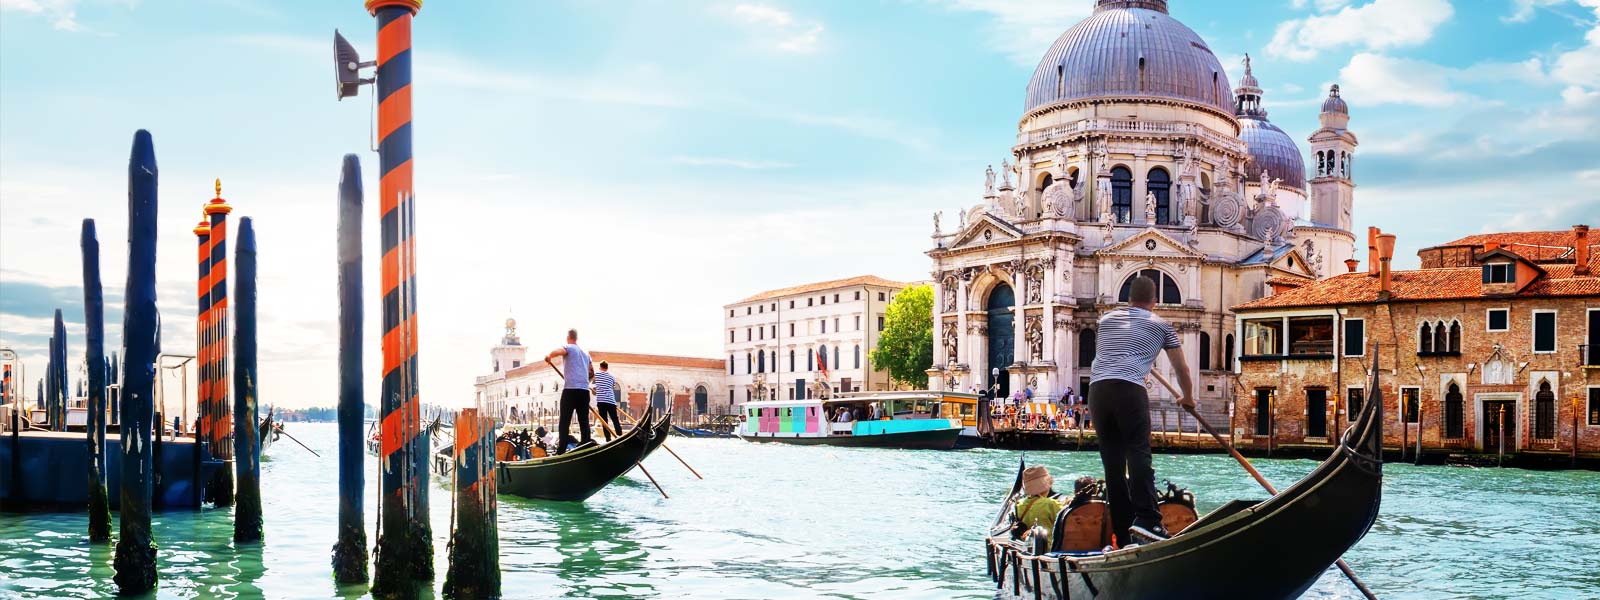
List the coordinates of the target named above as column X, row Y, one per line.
column 663, row 444
column 638, row 463
column 1343, row 566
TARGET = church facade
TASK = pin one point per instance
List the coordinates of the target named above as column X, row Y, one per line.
column 1133, row 157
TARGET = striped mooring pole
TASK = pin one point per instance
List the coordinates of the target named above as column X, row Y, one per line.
column 95, row 355
column 350, row 552
column 202, row 352
column 475, row 540
column 246, row 411
column 135, row 560
column 220, row 429
column 405, row 548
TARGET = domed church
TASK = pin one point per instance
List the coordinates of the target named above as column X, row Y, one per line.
column 1134, row 155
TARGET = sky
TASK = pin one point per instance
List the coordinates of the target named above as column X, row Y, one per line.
column 629, row 167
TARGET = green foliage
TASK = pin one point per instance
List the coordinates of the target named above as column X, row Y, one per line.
column 905, row 348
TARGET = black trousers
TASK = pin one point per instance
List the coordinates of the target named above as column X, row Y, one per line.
column 573, row 401
column 1121, row 412
column 608, row 412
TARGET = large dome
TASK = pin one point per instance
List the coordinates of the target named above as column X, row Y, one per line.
column 1130, row 48
column 1272, row 149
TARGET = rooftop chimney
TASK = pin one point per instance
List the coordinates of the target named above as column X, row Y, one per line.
column 1580, row 234
column 1372, row 251
column 1351, row 264
column 1385, row 253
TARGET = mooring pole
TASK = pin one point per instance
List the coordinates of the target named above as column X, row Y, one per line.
column 246, row 412
column 474, row 541
column 94, row 352
column 116, row 379
column 222, row 413
column 135, row 560
column 405, row 550
column 350, row 552
column 205, row 415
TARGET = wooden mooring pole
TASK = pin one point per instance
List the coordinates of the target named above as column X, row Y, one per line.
column 58, row 377
column 474, row 539
column 95, row 354
column 350, row 551
column 246, row 410
column 135, row 560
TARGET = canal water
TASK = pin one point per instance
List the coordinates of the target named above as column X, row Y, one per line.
column 774, row 521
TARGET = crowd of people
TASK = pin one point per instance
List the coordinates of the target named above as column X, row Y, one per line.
column 1020, row 412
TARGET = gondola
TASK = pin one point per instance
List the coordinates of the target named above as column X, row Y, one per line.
column 699, row 433
column 269, row 431
column 1273, row 548
column 581, row 473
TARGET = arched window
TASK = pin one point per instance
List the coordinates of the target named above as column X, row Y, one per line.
column 774, row 361
column 1441, row 338
column 1544, row 424
column 1166, row 287
column 1122, row 194
column 1453, row 422
column 1205, row 351
column 730, row 364
column 747, row 364
column 1086, row 349
column 701, row 405
column 1455, row 336
column 791, row 361
column 1045, row 181
column 1227, row 352
column 1159, row 182
column 811, row 359
column 858, row 356
column 761, row 362
column 836, row 357
column 1425, row 339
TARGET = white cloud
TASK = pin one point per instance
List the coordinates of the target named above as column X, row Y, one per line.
column 1524, row 9
column 736, row 163
column 1378, row 25
column 1582, row 66
column 780, row 27
column 1322, row 5
column 62, row 13
column 1380, row 79
column 1024, row 29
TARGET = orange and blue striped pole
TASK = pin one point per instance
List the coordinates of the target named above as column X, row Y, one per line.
column 475, row 541
column 202, row 233
column 405, row 550
column 221, row 427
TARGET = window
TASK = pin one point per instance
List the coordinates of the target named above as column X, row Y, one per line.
column 858, row 295
column 1544, row 331
column 774, row 307
column 858, row 356
column 1166, row 287
column 836, row 324
column 1455, row 337
column 791, row 329
column 747, row 310
column 1158, row 182
column 1454, row 423
column 1594, row 406
column 1498, row 319
column 1411, row 402
column 730, row 313
column 811, row 301
column 791, row 360
column 1311, row 336
column 1086, row 350
column 761, row 362
column 824, row 299
column 761, row 309
column 1353, row 398
column 880, row 322
column 835, row 298
column 1264, row 398
column 810, row 361
column 858, row 322
column 1544, row 407
column 822, row 357
column 763, row 334
column 1262, row 337
column 730, row 336
column 774, row 361
column 730, row 364
column 1205, row 351
column 1227, row 352
column 1425, row 339
column 791, row 304
column 747, row 334
column 824, row 325
column 1498, row 273
column 1355, row 337
column 835, row 357
column 880, row 296
column 1122, row 194
column 774, row 331
column 747, row 364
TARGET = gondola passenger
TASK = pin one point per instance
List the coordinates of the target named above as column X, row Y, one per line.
column 1039, row 507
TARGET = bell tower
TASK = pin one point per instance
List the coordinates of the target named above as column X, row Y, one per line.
column 510, row 354
column 1333, row 149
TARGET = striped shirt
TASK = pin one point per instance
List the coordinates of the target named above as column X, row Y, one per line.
column 605, row 387
column 1127, row 342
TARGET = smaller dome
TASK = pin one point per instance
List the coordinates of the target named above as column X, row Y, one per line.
column 1273, row 150
column 1335, row 104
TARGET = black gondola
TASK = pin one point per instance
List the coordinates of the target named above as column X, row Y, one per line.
column 578, row 474
column 1275, row 548
column 268, row 429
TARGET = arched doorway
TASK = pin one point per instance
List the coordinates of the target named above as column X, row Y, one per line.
column 701, row 400
column 1002, row 335
column 658, row 398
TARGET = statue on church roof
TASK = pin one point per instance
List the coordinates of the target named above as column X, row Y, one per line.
column 1005, row 173
column 988, row 181
column 1061, row 160
column 936, row 215
column 1020, row 199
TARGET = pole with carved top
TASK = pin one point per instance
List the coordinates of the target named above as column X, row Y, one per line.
column 221, row 427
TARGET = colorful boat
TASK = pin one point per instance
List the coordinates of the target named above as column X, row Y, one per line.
column 915, row 420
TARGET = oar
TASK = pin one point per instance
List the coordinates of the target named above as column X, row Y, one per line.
column 607, row 427
column 663, row 445
column 291, row 438
column 1343, row 566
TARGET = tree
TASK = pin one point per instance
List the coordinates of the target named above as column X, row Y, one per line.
column 905, row 348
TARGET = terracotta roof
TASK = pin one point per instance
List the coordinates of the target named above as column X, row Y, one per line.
column 1426, row 284
column 630, row 358
column 823, row 285
column 1540, row 246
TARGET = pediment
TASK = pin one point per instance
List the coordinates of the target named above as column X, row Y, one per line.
column 987, row 229
column 1293, row 261
column 1151, row 242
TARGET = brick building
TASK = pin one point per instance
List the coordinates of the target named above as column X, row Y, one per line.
column 1496, row 335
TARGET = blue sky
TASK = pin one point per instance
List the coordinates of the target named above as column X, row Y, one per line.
column 629, row 167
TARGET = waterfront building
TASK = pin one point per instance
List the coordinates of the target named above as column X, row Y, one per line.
column 1133, row 156
column 806, row 340
column 686, row 385
column 1496, row 335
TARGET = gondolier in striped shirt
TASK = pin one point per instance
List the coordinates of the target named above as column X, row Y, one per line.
column 605, row 399
column 1127, row 343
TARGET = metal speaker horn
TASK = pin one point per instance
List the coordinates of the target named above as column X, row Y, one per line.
column 347, row 67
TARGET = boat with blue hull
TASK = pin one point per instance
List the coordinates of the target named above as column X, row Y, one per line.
column 870, row 420
column 51, row 472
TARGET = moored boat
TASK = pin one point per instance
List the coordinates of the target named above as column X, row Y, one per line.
column 1274, row 548
column 45, row 470
column 911, row 420
column 580, row 473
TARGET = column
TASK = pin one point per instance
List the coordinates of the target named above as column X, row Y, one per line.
column 1139, row 189
column 963, row 339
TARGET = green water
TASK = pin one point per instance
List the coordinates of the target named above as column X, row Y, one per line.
column 774, row 521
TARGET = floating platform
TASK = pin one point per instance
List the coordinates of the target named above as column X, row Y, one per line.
column 54, row 473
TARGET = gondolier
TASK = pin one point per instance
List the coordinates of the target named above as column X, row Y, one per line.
column 1129, row 340
column 576, row 371
column 605, row 399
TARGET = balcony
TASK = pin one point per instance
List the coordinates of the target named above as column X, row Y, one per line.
column 1439, row 353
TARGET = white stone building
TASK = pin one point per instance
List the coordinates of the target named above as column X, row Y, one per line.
column 685, row 384
column 775, row 339
column 1133, row 157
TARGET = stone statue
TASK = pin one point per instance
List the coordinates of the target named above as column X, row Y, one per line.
column 961, row 225
column 988, row 181
column 1005, row 173
column 1061, row 160
column 1150, row 208
column 949, row 296
column 950, row 343
column 1035, row 336
column 1100, row 155
column 936, row 215
column 1020, row 198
